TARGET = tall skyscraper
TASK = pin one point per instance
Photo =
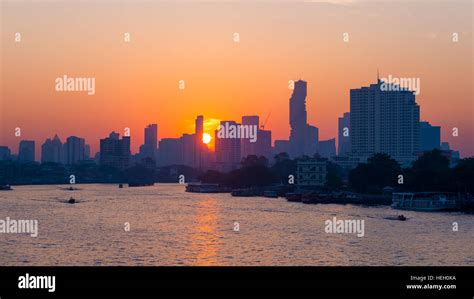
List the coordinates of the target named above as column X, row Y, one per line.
column 114, row 151
column 199, row 125
column 384, row 121
column 52, row 150
column 26, row 151
column 227, row 151
column 344, row 141
column 74, row 150
column 303, row 137
column 199, row 149
column 430, row 136
column 149, row 148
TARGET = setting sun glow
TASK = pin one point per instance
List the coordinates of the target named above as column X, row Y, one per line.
column 206, row 138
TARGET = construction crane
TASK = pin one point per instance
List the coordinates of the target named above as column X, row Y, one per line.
column 266, row 119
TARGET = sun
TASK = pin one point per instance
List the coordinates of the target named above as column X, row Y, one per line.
column 206, row 138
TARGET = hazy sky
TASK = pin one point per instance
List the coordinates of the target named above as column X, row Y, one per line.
column 137, row 83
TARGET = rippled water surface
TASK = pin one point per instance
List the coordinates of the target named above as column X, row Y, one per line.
column 171, row 227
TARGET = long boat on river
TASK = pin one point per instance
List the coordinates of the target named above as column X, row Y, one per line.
column 424, row 201
column 206, row 188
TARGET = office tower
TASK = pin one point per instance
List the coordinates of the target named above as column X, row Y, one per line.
column 188, row 149
column 430, row 136
column 303, row 137
column 170, row 152
column 114, row 151
column 247, row 147
column 343, row 138
column 52, row 150
column 264, row 144
column 26, row 151
column 199, row 130
column 327, row 148
column 74, row 150
column 227, row 150
column 200, row 147
column 384, row 121
column 87, row 151
column 148, row 149
column 5, row 153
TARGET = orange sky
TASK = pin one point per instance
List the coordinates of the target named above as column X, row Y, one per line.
column 137, row 82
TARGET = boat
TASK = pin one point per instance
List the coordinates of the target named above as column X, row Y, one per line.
column 244, row 192
column 293, row 197
column 399, row 218
column 5, row 187
column 141, row 182
column 206, row 188
column 316, row 197
column 423, row 201
column 270, row 194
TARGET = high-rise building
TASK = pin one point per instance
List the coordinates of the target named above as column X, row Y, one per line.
column 52, row 150
column 199, row 125
column 87, row 151
column 384, row 121
column 200, row 147
column 170, row 152
column 74, row 150
column 303, row 137
column 227, row 151
column 430, row 136
column 5, row 153
column 114, row 151
column 149, row 148
column 262, row 145
column 344, row 141
column 26, row 151
column 188, row 148
column 248, row 147
column 327, row 148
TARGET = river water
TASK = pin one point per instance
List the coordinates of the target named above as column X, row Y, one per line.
column 163, row 225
